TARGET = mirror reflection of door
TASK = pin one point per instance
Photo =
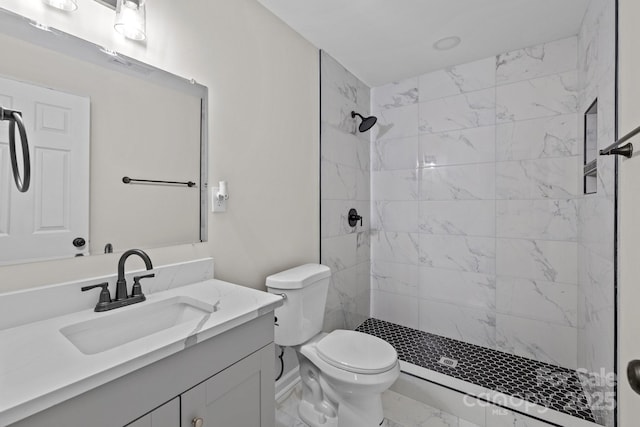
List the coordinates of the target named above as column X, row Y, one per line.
column 43, row 223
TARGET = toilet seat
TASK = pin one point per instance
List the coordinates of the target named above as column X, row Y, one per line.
column 357, row 352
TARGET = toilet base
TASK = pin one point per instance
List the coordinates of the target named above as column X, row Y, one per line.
column 323, row 406
column 315, row 418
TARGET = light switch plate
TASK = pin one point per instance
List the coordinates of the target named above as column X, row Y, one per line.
column 217, row 205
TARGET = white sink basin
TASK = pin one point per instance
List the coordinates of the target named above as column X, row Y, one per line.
column 135, row 322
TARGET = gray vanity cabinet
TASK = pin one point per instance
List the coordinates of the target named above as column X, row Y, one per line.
column 227, row 380
column 240, row 396
column 168, row 415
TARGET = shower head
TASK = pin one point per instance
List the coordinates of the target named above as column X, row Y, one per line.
column 367, row 122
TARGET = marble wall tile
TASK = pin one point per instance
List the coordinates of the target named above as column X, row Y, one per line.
column 338, row 182
column 334, row 319
column 339, row 253
column 343, row 148
column 465, row 182
column 406, row 412
column 363, row 103
column 396, row 308
column 537, row 219
column 342, row 288
column 555, row 178
column 537, row 299
column 396, row 122
column 344, row 183
column 395, row 94
column 500, row 417
column 363, row 185
column 543, row 341
column 596, row 224
column 596, row 342
column 596, row 312
column 395, row 216
column 395, row 247
column 395, row 278
column 464, row 111
column 452, row 217
column 335, row 110
column 458, row 287
column 472, row 254
column 439, row 397
column 546, row 96
column 606, row 41
column 399, row 153
column 552, row 261
column 394, row 185
column 537, row 61
column 363, row 246
column 461, row 323
column 538, row 138
column 446, row 155
column 336, row 78
column 476, row 145
column 607, row 108
column 459, row 79
column 596, row 278
column 334, row 218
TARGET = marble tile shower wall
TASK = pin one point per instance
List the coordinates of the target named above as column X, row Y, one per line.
column 596, row 212
column 344, row 184
column 475, row 180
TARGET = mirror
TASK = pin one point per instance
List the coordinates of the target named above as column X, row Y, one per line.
column 94, row 117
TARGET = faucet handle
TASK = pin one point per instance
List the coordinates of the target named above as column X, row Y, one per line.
column 105, row 296
column 136, row 290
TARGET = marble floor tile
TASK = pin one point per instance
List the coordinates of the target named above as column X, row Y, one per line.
column 399, row 411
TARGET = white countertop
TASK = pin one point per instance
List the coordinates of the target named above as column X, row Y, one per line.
column 40, row 367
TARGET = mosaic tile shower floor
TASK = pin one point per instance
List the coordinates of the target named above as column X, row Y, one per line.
column 547, row 385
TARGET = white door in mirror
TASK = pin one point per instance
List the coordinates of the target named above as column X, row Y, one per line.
column 52, row 221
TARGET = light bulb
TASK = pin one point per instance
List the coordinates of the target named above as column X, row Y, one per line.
column 131, row 19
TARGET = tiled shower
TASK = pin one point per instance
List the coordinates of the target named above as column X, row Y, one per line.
column 476, row 223
column 483, row 226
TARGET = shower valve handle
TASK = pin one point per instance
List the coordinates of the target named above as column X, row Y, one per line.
column 354, row 218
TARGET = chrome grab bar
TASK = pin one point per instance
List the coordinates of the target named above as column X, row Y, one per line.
column 16, row 117
column 625, row 150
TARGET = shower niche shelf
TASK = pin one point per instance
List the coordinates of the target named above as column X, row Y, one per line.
column 590, row 149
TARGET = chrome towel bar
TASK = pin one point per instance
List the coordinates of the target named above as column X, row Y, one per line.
column 128, row 180
column 625, row 150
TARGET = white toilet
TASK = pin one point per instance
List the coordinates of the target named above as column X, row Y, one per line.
column 344, row 372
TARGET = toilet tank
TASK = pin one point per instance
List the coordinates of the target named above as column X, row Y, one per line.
column 302, row 314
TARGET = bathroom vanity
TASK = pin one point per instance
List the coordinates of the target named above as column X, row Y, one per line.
column 198, row 352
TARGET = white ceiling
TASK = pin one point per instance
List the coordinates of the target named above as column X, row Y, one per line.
column 381, row 41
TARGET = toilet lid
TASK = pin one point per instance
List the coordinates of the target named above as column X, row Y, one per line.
column 357, row 352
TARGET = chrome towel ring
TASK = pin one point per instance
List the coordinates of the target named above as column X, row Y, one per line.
column 15, row 117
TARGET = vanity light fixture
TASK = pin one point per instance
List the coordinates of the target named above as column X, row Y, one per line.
column 66, row 5
column 131, row 19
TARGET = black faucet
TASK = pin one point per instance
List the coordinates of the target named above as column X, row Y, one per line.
column 122, row 299
column 121, row 284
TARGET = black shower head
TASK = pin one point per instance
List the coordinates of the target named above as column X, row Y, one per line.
column 367, row 122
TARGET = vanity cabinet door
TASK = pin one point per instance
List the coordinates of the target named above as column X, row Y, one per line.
column 167, row 415
column 242, row 395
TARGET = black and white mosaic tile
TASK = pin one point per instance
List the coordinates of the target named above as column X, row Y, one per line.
column 547, row 385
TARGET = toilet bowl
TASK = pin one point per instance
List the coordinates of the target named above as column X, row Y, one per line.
column 352, row 370
column 343, row 372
